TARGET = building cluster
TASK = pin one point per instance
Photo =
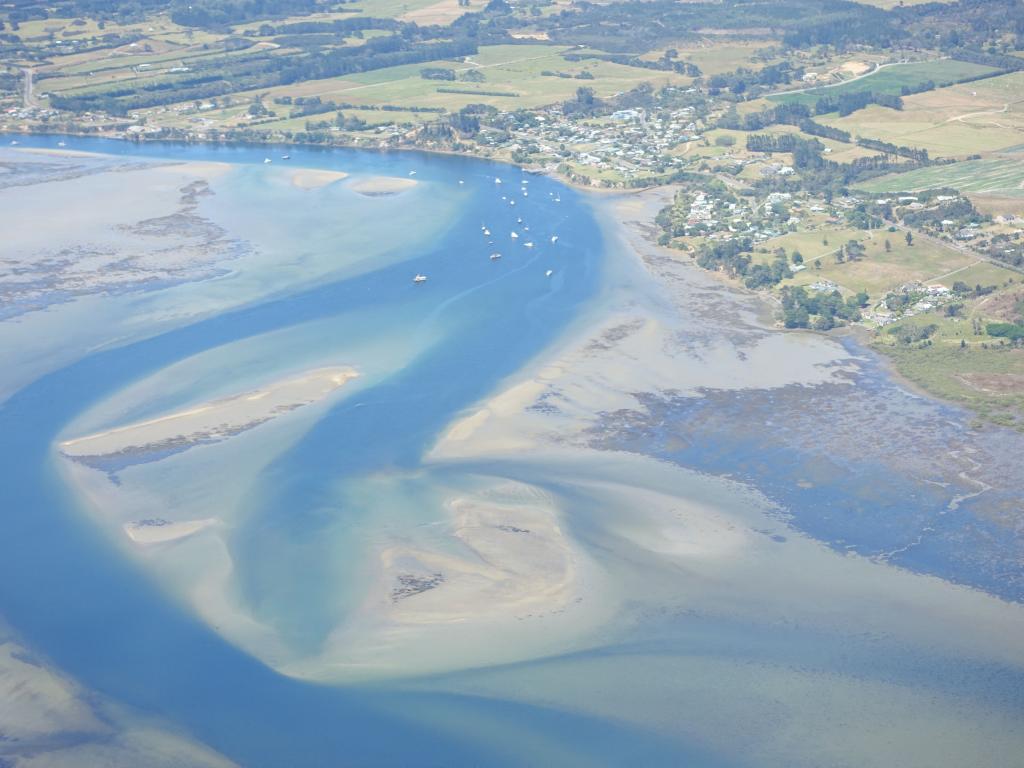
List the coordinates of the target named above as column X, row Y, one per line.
column 630, row 143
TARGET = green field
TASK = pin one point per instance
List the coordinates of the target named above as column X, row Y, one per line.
column 1003, row 177
column 891, row 79
column 880, row 271
column 958, row 121
column 509, row 69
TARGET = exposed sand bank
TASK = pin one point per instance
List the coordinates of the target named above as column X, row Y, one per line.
column 499, row 581
column 313, row 178
column 377, row 186
column 159, row 531
column 518, row 561
column 55, row 152
column 209, row 422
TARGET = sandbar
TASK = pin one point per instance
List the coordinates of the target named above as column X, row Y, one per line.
column 377, row 186
column 209, row 422
column 314, row 178
column 519, row 562
column 159, row 531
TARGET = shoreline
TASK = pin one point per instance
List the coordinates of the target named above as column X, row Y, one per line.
column 766, row 302
column 314, row 145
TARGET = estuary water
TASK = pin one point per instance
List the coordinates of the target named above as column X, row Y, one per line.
column 656, row 615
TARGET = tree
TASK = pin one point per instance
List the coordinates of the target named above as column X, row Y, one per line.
column 910, row 238
column 798, row 257
column 585, row 96
column 888, row 245
column 796, row 317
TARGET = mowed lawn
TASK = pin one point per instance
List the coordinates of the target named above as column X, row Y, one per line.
column 1002, row 176
column 982, row 116
column 891, row 79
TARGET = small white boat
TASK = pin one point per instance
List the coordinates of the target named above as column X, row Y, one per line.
column 526, row 228
column 461, row 181
column 511, row 202
column 412, row 173
column 497, row 180
column 525, row 193
column 420, row 279
column 515, row 235
column 14, row 143
column 267, row 160
column 554, row 238
column 549, row 273
column 528, row 245
column 487, row 231
column 286, row 157
column 519, row 220
column 61, row 144
column 495, row 256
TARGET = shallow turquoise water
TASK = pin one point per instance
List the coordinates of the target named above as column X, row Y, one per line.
column 103, row 621
column 430, row 351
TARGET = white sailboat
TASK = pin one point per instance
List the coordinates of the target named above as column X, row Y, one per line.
column 495, row 256
column 420, row 279
column 549, row 273
column 515, row 235
column 554, row 238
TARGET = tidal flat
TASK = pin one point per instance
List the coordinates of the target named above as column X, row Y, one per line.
column 581, row 505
